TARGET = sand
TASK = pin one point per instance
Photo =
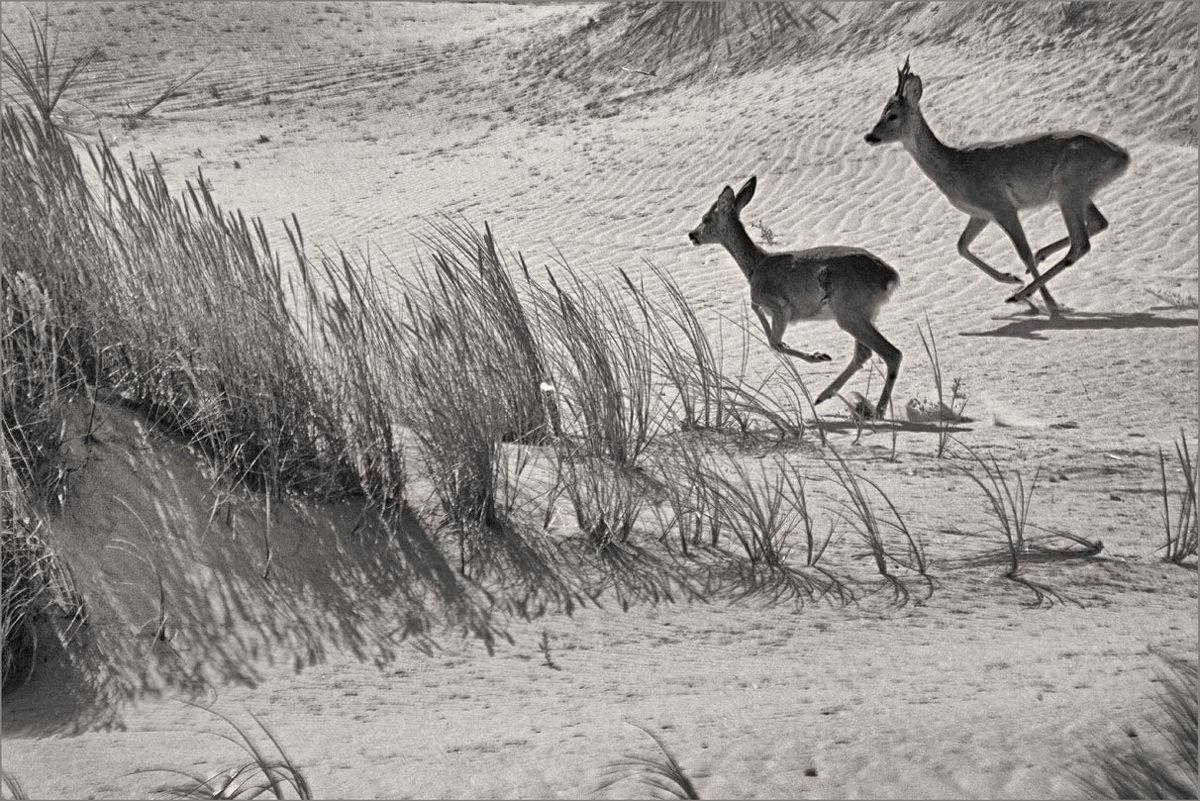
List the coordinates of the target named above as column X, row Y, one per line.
column 368, row 121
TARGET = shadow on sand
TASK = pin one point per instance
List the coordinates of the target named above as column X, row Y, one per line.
column 905, row 426
column 1025, row 327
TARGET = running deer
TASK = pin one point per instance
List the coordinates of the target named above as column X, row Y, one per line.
column 993, row 181
column 847, row 285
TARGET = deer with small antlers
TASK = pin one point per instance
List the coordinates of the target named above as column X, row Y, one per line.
column 992, row 182
column 845, row 284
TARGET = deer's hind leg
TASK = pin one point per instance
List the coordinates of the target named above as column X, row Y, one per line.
column 866, row 333
column 1095, row 224
column 1011, row 224
column 861, row 354
column 1078, row 219
column 867, row 339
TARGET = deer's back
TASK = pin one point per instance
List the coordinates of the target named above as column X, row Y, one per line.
column 822, row 279
column 1039, row 169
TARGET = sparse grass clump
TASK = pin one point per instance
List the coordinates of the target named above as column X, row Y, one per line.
column 471, row 373
column 1134, row 771
column 947, row 412
column 607, row 498
column 1181, row 534
column 264, row 775
column 661, row 773
column 40, row 87
column 859, row 510
column 1009, row 499
column 762, row 513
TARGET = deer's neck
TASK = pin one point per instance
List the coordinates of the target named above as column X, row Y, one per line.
column 742, row 248
column 935, row 159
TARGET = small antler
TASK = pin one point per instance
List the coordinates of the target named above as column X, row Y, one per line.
column 902, row 74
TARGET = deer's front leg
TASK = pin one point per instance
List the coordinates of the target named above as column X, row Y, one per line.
column 974, row 227
column 779, row 324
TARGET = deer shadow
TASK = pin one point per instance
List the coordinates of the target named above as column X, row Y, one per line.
column 1025, row 327
column 884, row 426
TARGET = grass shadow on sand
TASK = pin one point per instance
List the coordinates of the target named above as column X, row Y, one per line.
column 179, row 601
column 1033, row 327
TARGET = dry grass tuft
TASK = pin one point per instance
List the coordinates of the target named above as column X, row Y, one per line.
column 661, row 773
column 265, row 774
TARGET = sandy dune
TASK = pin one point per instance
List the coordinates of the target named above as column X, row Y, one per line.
column 369, row 120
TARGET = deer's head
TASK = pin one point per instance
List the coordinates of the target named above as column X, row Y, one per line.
column 716, row 225
column 900, row 111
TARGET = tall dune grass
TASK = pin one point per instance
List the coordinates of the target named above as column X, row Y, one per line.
column 308, row 378
column 604, row 369
column 185, row 312
column 709, row 389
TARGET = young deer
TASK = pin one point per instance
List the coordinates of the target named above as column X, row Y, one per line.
column 993, row 181
column 845, row 284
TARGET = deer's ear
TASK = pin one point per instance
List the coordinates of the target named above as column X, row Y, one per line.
column 745, row 194
column 912, row 88
column 726, row 197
